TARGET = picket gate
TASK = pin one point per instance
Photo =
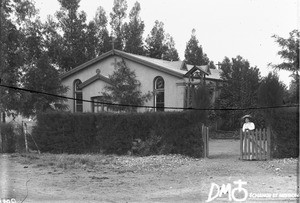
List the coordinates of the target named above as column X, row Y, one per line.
column 255, row 144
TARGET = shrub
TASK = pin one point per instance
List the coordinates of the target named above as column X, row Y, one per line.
column 285, row 133
column 12, row 138
column 8, row 138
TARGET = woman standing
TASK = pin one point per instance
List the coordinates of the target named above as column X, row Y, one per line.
column 248, row 126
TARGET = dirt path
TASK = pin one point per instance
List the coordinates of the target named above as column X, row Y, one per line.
column 143, row 179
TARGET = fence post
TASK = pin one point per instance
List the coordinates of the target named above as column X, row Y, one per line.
column 204, row 141
column 268, row 143
column 207, row 142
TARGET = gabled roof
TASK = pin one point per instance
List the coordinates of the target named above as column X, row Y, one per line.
column 197, row 68
column 172, row 68
column 176, row 68
column 93, row 79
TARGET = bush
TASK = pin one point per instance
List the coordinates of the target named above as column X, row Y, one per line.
column 285, row 133
column 157, row 133
column 12, row 138
column 8, row 138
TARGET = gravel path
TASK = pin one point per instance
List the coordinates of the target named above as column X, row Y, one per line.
column 172, row 178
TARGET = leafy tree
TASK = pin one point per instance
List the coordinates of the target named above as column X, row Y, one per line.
column 155, row 41
column 53, row 41
column 92, row 41
column 271, row 91
column 117, row 16
column 212, row 65
column 294, row 90
column 193, row 52
column 23, row 48
column 133, row 31
column 14, row 16
column 171, row 53
column 239, row 90
column 290, row 54
column 102, row 32
column 73, row 26
column 124, row 89
column 44, row 78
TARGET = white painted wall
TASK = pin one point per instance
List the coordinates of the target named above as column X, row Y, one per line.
column 174, row 94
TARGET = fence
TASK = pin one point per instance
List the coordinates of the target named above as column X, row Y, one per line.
column 255, row 145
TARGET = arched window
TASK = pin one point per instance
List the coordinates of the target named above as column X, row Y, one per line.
column 159, row 93
column 78, row 105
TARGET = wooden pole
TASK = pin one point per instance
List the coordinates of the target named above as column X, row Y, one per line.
column 268, row 144
column 204, row 141
column 241, row 144
column 260, row 144
column 207, row 142
column 264, row 144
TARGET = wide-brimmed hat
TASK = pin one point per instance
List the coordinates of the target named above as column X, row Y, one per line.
column 247, row 116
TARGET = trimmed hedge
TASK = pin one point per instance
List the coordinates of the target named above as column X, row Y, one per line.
column 65, row 132
column 137, row 133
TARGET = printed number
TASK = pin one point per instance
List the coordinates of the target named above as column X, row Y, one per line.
column 8, row 200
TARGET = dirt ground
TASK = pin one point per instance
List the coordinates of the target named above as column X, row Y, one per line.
column 172, row 178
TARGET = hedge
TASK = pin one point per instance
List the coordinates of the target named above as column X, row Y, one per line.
column 137, row 133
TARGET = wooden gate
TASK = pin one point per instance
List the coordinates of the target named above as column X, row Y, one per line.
column 255, row 145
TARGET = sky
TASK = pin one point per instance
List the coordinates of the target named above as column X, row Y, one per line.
column 223, row 27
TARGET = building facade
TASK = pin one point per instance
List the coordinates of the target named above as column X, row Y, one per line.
column 168, row 81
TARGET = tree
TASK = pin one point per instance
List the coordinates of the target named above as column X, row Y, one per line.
column 92, row 41
column 73, row 25
column 124, row 89
column 193, row 52
column 155, row 41
column 294, row 90
column 239, row 90
column 102, row 33
column 171, row 53
column 271, row 91
column 290, row 54
column 117, row 16
column 42, row 77
column 14, row 16
column 133, row 32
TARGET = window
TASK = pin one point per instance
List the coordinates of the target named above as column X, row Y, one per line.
column 98, row 107
column 78, row 105
column 159, row 93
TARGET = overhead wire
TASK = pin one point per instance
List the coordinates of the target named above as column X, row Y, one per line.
column 145, row 106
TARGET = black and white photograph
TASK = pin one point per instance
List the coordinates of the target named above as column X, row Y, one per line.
column 149, row 101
